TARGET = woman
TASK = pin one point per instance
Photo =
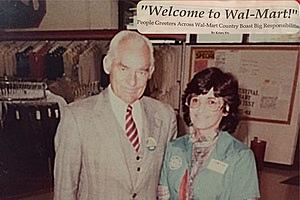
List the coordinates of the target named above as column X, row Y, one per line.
column 209, row 163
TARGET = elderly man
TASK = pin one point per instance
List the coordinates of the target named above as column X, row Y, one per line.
column 111, row 146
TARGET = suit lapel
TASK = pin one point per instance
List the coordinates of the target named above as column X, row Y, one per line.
column 113, row 143
column 151, row 129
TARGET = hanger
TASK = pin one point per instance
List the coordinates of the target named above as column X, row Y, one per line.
column 53, row 48
column 69, row 44
column 23, row 46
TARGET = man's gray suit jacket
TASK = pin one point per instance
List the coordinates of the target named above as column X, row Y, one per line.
column 90, row 163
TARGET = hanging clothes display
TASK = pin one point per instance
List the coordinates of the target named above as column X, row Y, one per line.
column 26, row 146
column 54, row 63
column 80, row 61
column 7, row 58
column 83, row 61
column 22, row 60
column 37, row 61
column 29, row 117
column 164, row 84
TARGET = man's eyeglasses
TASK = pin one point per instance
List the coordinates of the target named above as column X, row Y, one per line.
column 211, row 103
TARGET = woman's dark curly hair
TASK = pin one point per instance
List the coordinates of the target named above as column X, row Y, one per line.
column 224, row 85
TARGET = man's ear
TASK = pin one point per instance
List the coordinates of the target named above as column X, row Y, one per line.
column 151, row 72
column 107, row 64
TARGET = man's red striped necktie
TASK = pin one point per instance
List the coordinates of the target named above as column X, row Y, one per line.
column 131, row 130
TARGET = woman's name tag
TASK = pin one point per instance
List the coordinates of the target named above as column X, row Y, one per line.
column 217, row 166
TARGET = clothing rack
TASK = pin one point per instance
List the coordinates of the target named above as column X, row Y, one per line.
column 27, row 146
column 12, row 90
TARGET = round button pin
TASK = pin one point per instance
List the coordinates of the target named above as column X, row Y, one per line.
column 175, row 162
column 151, row 143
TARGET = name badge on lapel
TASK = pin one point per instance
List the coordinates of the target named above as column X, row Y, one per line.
column 151, row 143
column 217, row 166
column 175, row 162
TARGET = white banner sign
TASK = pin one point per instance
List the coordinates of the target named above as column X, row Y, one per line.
column 218, row 17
